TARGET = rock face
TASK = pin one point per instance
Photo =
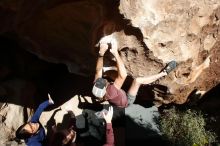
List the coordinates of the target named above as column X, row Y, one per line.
column 149, row 34
column 10, row 123
column 185, row 31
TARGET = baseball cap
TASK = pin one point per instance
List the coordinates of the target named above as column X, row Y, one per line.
column 99, row 88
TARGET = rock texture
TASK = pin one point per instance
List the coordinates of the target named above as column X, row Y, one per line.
column 12, row 116
column 185, row 31
column 149, row 34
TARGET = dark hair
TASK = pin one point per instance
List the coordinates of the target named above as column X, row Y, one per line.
column 58, row 138
column 21, row 133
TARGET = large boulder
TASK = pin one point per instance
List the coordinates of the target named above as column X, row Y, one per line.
column 12, row 116
column 149, row 34
column 185, row 31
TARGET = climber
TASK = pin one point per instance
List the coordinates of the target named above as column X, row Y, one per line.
column 112, row 92
column 33, row 132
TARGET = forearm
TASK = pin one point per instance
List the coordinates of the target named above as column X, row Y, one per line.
column 39, row 110
column 99, row 67
column 109, row 135
column 121, row 67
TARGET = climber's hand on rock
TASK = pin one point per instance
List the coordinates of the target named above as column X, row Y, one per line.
column 103, row 44
column 103, row 49
column 114, row 48
column 106, row 39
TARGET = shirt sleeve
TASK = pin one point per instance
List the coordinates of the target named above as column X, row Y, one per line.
column 109, row 135
column 39, row 110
